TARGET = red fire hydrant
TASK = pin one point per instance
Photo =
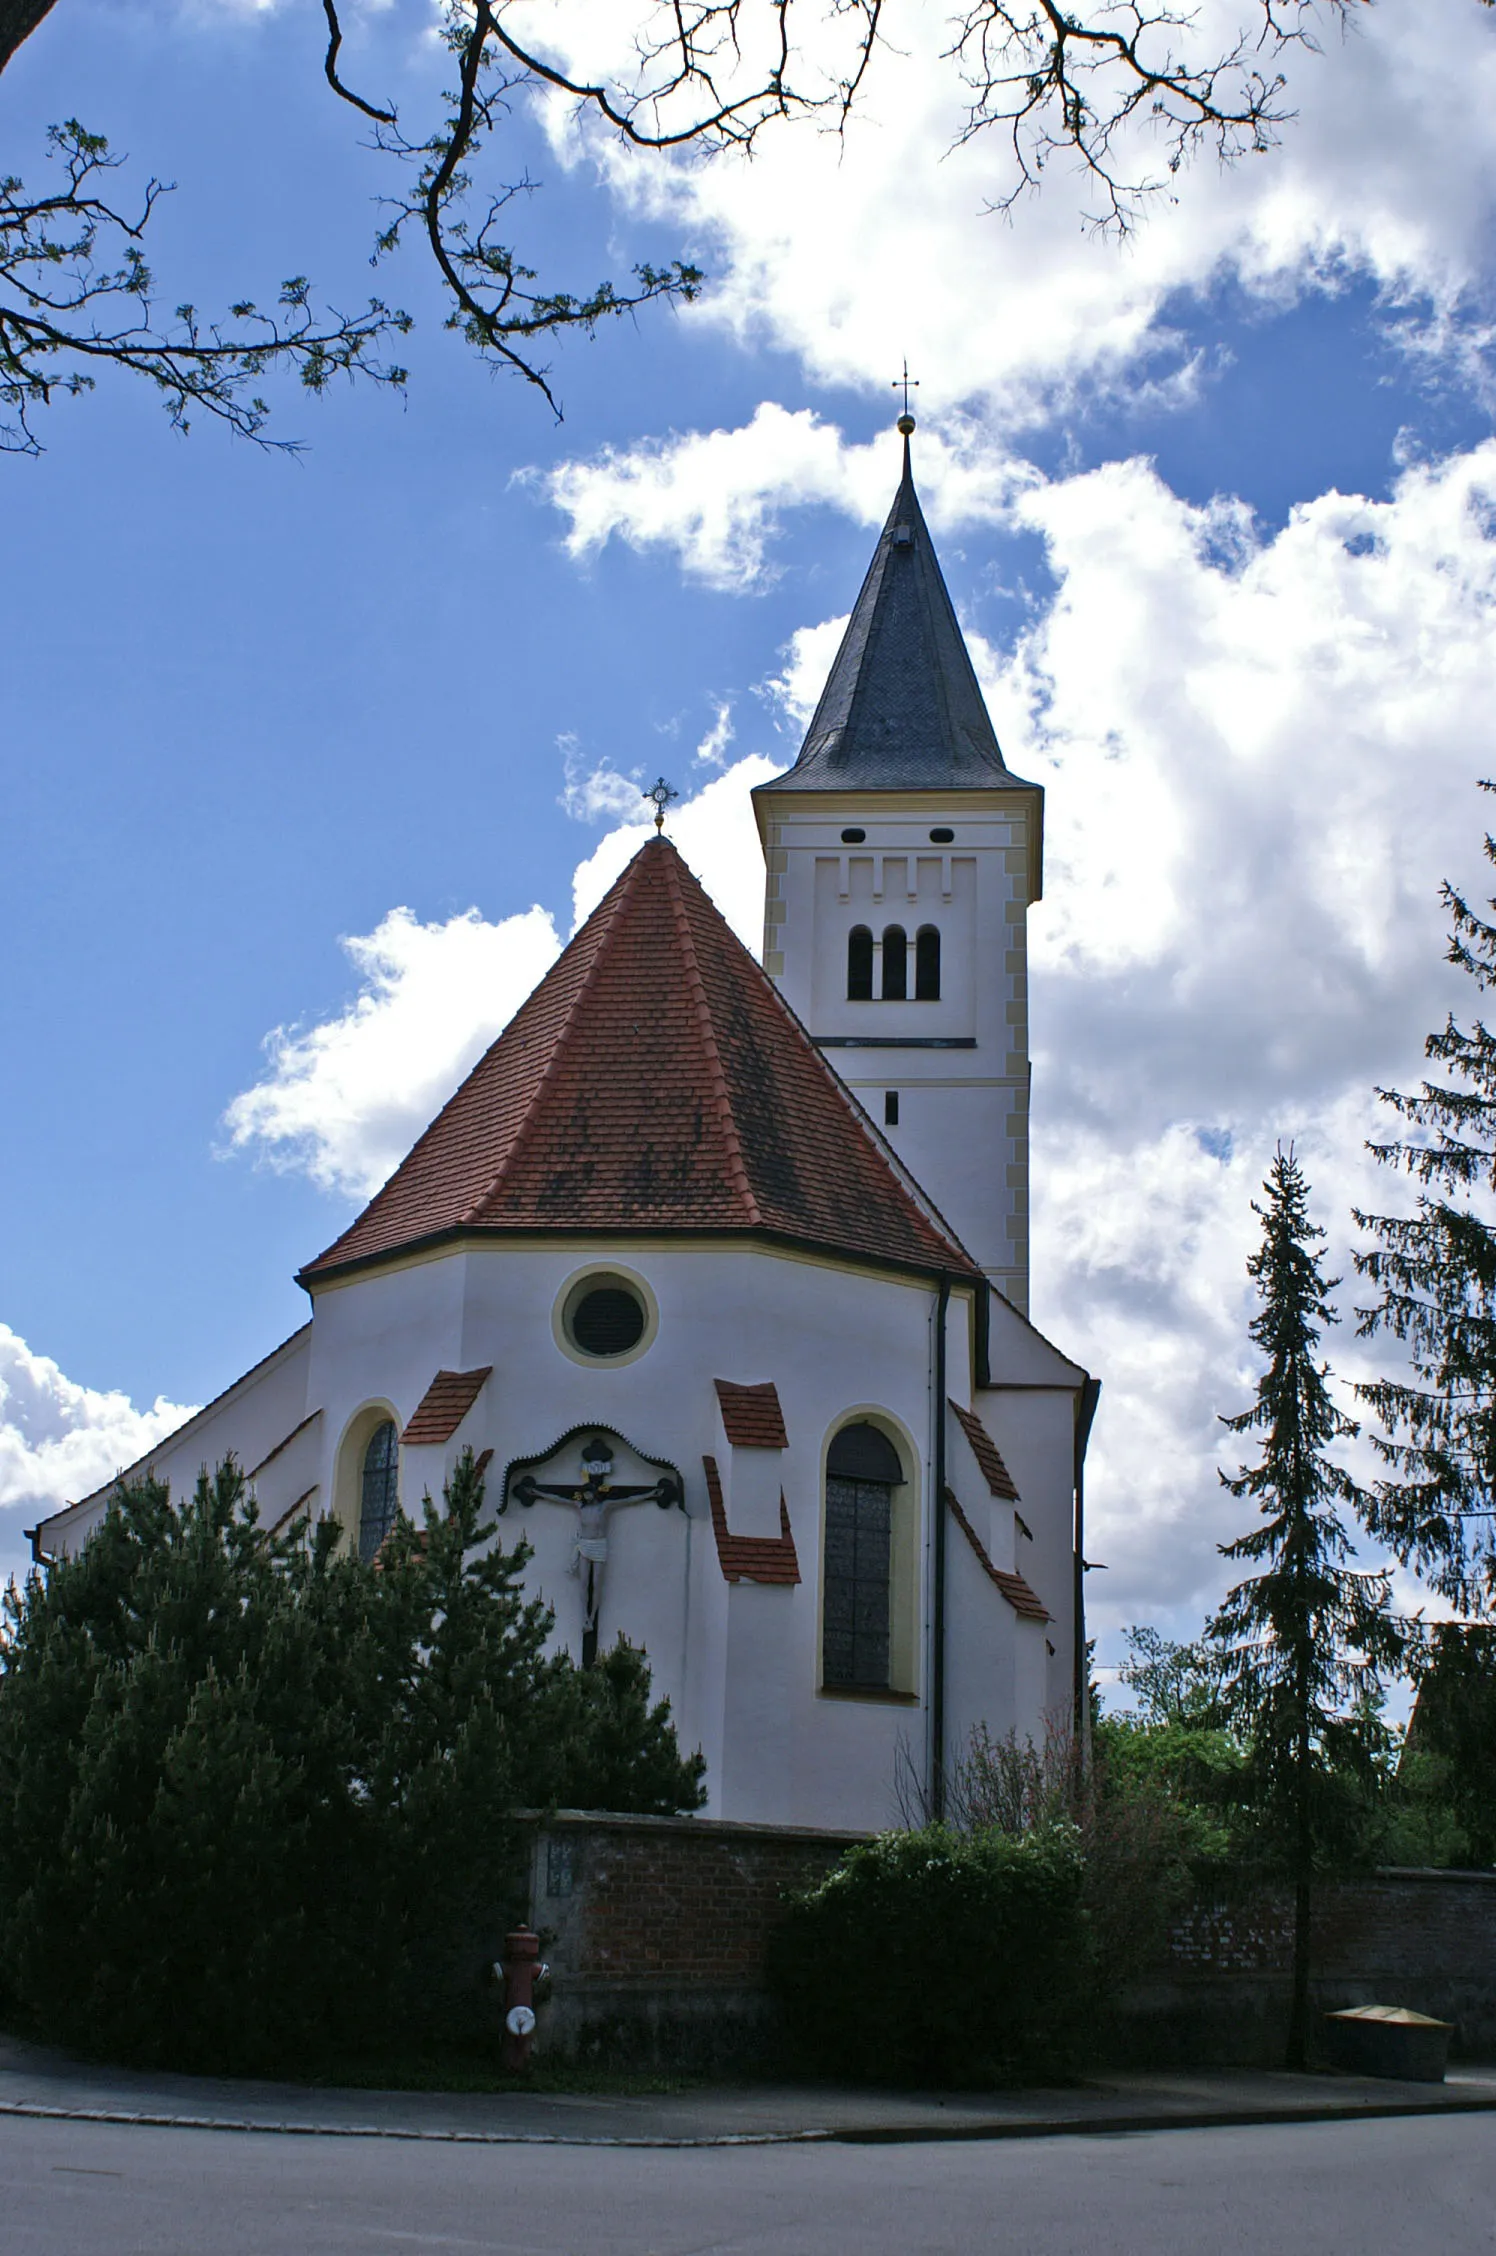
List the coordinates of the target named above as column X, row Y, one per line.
column 521, row 1954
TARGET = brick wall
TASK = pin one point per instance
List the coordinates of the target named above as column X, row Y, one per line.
column 657, row 1931
column 1422, row 1939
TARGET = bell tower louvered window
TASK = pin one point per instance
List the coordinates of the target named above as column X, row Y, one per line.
column 862, row 1472
column 895, row 964
column 927, row 965
column 859, row 964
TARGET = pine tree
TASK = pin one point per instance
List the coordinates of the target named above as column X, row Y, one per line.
column 258, row 1796
column 1435, row 1272
column 1306, row 1638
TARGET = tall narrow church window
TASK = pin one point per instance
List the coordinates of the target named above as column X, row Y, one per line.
column 895, row 964
column 859, row 965
column 927, row 965
column 862, row 1472
column 380, row 1493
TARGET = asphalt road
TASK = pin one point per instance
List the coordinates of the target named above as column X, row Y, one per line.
column 1403, row 2187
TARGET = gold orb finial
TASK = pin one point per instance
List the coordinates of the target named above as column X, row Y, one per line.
column 906, row 424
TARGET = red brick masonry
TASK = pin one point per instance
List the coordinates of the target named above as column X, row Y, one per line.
column 642, row 1915
column 673, row 1901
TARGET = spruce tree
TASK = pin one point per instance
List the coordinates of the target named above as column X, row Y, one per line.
column 1435, row 1276
column 1305, row 1638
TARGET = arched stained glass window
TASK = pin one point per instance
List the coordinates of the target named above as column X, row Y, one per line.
column 895, row 964
column 859, row 965
column 862, row 1472
column 380, row 1488
column 927, row 965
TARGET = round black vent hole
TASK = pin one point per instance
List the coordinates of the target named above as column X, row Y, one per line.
column 853, row 837
column 607, row 1321
column 942, row 837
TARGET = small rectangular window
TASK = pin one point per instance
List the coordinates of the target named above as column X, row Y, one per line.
column 890, row 1108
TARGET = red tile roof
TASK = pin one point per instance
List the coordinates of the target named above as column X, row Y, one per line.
column 751, row 1558
column 654, row 1081
column 1021, row 1595
column 445, row 1404
column 987, row 1454
column 751, row 1416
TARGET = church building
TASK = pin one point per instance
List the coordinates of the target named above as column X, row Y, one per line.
column 720, row 1269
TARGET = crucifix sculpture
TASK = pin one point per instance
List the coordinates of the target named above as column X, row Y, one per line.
column 593, row 1495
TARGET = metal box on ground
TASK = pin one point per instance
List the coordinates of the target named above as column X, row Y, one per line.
column 1388, row 2040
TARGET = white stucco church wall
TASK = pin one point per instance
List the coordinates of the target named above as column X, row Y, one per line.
column 851, row 1539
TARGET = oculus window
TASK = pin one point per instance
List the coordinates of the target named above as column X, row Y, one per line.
column 605, row 1316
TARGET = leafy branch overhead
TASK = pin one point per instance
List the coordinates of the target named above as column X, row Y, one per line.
column 78, row 295
column 1127, row 90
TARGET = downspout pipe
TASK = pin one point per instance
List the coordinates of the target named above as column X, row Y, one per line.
column 937, row 1626
column 1085, row 1414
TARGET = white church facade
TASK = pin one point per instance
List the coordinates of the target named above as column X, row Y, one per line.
column 721, row 1270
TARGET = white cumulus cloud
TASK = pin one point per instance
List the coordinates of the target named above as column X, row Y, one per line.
column 343, row 1100
column 712, row 498
column 60, row 1440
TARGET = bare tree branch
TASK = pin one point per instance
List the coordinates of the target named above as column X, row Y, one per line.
column 330, row 69
column 1131, row 72
column 1127, row 90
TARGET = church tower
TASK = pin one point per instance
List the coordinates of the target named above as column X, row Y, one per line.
column 902, row 857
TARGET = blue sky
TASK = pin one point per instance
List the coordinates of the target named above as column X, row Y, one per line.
column 253, row 705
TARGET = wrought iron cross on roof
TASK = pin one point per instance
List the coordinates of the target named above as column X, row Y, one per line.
column 661, row 794
column 905, row 384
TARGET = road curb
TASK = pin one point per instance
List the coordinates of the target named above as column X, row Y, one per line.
column 870, row 2134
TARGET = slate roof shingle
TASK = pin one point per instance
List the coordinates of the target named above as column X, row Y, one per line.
column 655, row 1081
column 902, row 709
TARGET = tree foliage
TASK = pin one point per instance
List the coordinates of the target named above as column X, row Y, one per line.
column 1434, row 1275
column 76, row 296
column 941, row 1956
column 1305, row 1639
column 1451, row 1747
column 1127, row 91
column 256, row 1797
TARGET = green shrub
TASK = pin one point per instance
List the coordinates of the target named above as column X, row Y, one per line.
column 256, row 1797
column 941, row 1957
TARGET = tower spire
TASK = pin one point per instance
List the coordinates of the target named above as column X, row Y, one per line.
column 902, row 709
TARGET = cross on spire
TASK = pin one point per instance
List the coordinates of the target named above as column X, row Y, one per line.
column 905, row 384
column 661, row 794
